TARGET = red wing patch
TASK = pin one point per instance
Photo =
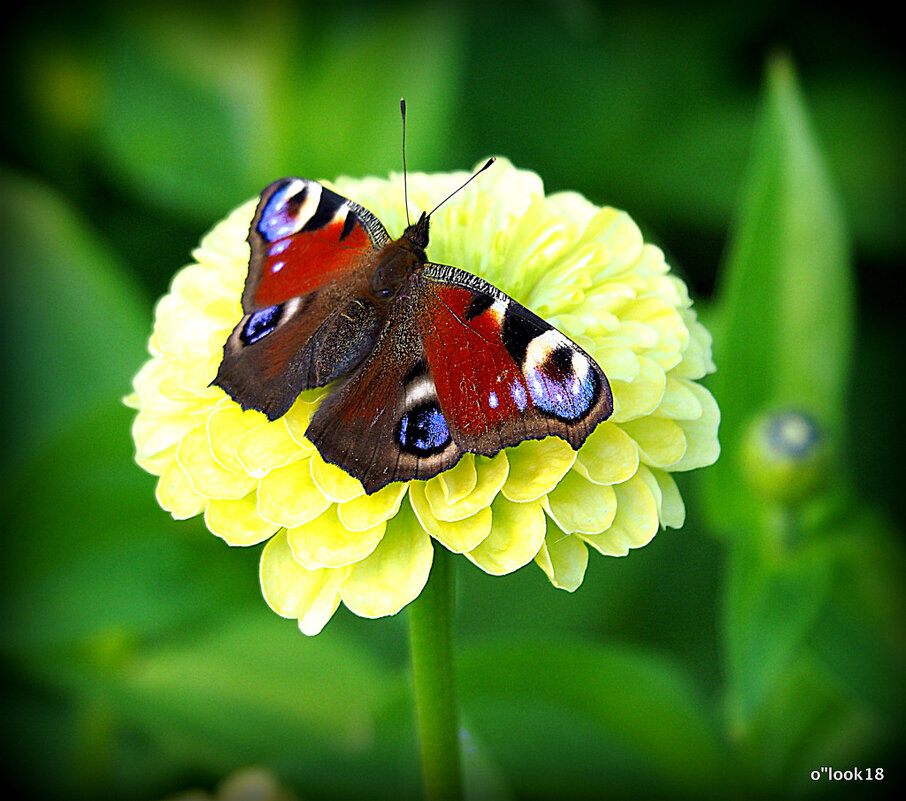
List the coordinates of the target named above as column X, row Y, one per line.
column 479, row 385
column 307, row 261
column 303, row 237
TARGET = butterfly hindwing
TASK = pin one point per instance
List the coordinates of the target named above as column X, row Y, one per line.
column 306, row 317
column 384, row 423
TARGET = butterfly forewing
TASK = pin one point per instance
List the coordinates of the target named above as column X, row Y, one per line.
column 306, row 318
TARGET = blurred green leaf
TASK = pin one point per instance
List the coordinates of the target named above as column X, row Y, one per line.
column 770, row 607
column 91, row 555
column 860, row 637
column 204, row 112
column 621, row 719
column 785, row 319
column 74, row 326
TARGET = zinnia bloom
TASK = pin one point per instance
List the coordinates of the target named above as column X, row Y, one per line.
column 583, row 268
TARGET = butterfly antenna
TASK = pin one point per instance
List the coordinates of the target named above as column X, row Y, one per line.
column 478, row 172
column 405, row 181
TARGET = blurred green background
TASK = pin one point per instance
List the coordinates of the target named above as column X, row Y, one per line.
column 762, row 146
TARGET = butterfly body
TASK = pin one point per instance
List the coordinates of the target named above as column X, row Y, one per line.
column 430, row 361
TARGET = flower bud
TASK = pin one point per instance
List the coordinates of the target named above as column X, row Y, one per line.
column 785, row 455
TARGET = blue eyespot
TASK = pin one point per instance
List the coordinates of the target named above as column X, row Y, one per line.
column 556, row 387
column 423, row 430
column 260, row 324
column 280, row 216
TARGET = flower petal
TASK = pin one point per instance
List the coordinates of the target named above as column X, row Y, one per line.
column 563, row 558
column 208, row 476
column 394, row 574
column 156, row 434
column 671, row 509
column 333, row 481
column 456, row 535
column 635, row 523
column 227, row 425
column 366, row 511
column 536, row 466
column 579, row 505
column 609, row 455
column 490, row 475
column 701, row 434
column 517, row 532
column 299, row 416
column 288, row 496
column 457, row 482
column 265, row 447
column 680, row 402
column 326, row 542
column 290, row 590
column 175, row 493
column 237, row 521
column 642, row 395
column 661, row 442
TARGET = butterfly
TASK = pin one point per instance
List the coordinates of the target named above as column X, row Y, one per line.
column 430, row 361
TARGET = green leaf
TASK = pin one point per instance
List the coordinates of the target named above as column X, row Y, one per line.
column 74, row 327
column 770, row 607
column 203, row 112
column 91, row 557
column 860, row 637
column 785, row 317
column 617, row 717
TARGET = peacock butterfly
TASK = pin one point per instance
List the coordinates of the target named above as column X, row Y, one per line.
column 431, row 361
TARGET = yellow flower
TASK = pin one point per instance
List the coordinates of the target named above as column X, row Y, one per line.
column 583, row 268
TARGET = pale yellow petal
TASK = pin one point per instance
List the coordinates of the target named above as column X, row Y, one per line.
column 619, row 239
column 265, row 447
column 579, row 505
column 237, row 521
column 609, row 455
column 208, row 476
column 697, row 361
column 299, row 416
column 636, row 521
column 394, row 574
column 333, row 481
column 326, row 542
column 311, row 596
column 701, row 434
column 175, row 493
column 288, row 496
column 642, row 395
column 155, row 434
column 490, row 477
column 680, row 401
column 517, row 532
column 227, row 425
column 536, row 466
column 672, row 510
column 619, row 363
column 661, row 441
column 563, row 558
column 457, row 535
column 366, row 511
column 456, row 483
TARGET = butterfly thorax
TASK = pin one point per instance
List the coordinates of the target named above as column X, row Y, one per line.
column 400, row 259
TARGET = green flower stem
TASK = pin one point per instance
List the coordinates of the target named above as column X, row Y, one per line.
column 431, row 646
